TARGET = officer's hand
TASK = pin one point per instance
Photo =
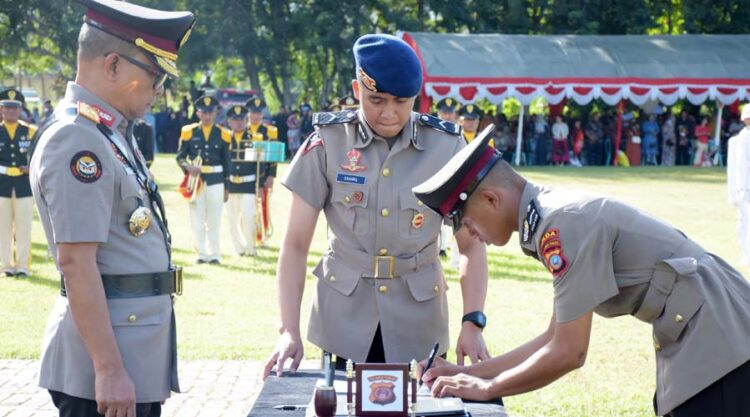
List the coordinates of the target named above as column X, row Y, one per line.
column 25, row 169
column 464, row 386
column 439, row 367
column 288, row 347
column 115, row 394
column 269, row 182
column 192, row 170
column 471, row 343
column 226, row 195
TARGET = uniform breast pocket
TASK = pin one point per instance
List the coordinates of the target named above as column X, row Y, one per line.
column 130, row 191
column 683, row 303
column 351, row 206
column 415, row 219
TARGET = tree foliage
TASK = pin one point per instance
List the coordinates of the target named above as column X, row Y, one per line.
column 298, row 50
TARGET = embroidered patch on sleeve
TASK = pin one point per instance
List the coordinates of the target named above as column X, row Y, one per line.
column 86, row 167
column 551, row 249
column 311, row 143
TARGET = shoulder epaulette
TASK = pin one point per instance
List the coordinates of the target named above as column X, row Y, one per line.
column 89, row 112
column 187, row 131
column 334, row 118
column 273, row 131
column 439, row 124
column 226, row 135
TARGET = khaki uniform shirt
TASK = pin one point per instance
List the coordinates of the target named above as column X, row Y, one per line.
column 375, row 221
column 85, row 194
column 609, row 257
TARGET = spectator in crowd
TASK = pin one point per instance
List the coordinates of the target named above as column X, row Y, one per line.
column 702, row 134
column 46, row 111
column 685, row 128
column 161, row 125
column 293, row 126
column 279, row 120
column 669, row 141
column 306, row 127
column 539, row 140
column 560, row 133
column 633, row 142
column 650, row 146
column 185, row 105
column 174, row 128
column 593, row 143
column 609, row 129
column 577, row 141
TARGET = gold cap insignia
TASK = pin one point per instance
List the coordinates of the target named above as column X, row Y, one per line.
column 449, row 102
column 470, row 108
column 12, row 95
column 87, row 111
column 237, row 110
column 366, row 80
column 349, row 100
column 257, row 103
column 207, row 101
column 187, row 35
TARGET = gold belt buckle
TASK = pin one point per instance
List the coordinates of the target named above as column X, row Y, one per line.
column 177, row 280
column 391, row 266
column 13, row 172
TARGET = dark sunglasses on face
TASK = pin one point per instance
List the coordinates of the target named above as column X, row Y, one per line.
column 160, row 76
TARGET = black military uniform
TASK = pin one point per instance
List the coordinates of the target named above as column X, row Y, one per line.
column 261, row 131
column 243, row 169
column 144, row 136
column 211, row 144
column 15, row 189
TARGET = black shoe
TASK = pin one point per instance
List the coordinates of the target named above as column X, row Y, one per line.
column 443, row 254
column 22, row 275
column 9, row 274
column 200, row 261
column 214, row 262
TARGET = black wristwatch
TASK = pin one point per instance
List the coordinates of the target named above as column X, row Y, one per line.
column 476, row 317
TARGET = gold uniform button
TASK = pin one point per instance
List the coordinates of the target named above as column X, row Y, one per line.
column 420, row 203
column 332, row 278
column 386, row 172
column 384, row 212
column 383, row 251
column 347, row 199
column 383, row 289
column 436, row 288
column 132, row 318
column 679, row 319
column 657, row 346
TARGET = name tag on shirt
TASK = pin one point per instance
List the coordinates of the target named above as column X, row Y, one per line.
column 350, row 179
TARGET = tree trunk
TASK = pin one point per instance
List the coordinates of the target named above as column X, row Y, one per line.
column 252, row 73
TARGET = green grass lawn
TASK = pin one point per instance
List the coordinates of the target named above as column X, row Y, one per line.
column 230, row 311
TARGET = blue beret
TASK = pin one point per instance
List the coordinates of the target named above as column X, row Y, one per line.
column 387, row 64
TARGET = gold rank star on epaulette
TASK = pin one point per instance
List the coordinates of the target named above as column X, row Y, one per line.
column 87, row 111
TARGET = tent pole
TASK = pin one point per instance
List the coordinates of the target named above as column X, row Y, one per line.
column 618, row 132
column 717, row 134
column 519, row 138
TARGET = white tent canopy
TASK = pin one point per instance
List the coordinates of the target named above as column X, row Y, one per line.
column 638, row 68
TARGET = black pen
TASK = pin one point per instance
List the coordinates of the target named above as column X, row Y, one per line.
column 430, row 359
column 289, row 407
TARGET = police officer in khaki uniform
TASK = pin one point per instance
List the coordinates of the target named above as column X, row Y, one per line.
column 242, row 204
column 608, row 258
column 204, row 151
column 16, row 204
column 260, row 131
column 109, row 347
column 381, row 293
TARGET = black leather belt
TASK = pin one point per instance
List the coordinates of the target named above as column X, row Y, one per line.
column 139, row 285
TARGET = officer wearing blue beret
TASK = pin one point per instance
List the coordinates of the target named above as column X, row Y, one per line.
column 110, row 345
column 381, row 293
column 608, row 258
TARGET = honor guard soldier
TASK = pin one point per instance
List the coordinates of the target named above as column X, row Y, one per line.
column 608, row 258
column 381, row 293
column 335, row 105
column 16, row 204
column 242, row 204
column 110, row 344
column 144, row 137
column 447, row 109
column 470, row 115
column 204, row 156
column 349, row 102
column 261, row 131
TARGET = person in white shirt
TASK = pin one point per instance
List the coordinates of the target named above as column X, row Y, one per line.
column 738, row 181
column 560, row 142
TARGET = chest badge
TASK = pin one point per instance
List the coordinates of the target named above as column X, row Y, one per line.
column 417, row 221
column 353, row 157
column 140, row 221
column 358, row 196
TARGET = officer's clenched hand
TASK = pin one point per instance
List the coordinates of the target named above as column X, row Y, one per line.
column 471, row 343
column 439, row 367
column 115, row 393
column 25, row 169
column 288, row 347
column 269, row 182
column 192, row 170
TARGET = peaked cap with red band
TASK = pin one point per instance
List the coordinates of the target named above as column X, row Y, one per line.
column 447, row 191
column 158, row 33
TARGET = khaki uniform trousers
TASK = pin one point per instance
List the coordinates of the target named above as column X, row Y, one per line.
column 15, row 227
column 241, row 216
column 205, row 218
